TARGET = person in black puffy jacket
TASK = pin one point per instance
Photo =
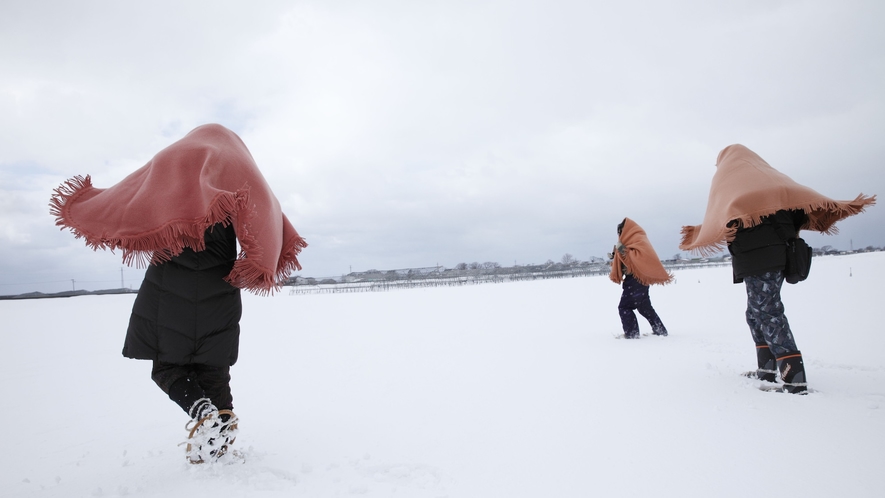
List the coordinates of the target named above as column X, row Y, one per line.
column 203, row 215
column 759, row 256
column 756, row 210
column 186, row 320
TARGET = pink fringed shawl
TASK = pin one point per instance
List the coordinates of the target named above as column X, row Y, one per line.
column 639, row 257
column 746, row 188
column 205, row 178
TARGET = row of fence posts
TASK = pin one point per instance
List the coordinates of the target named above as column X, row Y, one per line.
column 384, row 286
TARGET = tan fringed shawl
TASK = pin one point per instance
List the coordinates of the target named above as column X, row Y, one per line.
column 746, row 188
column 205, row 178
column 639, row 257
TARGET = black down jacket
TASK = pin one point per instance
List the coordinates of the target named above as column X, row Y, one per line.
column 185, row 312
column 763, row 248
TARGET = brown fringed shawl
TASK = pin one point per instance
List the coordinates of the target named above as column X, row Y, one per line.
column 639, row 257
column 746, row 188
column 205, row 178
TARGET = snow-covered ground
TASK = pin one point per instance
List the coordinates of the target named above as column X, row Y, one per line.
column 507, row 390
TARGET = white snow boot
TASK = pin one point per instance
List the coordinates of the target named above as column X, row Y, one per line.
column 211, row 435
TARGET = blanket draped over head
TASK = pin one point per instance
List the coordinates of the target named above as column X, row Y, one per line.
column 205, row 178
column 746, row 188
column 639, row 257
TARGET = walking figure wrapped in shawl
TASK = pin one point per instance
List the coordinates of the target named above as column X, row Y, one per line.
column 183, row 214
column 636, row 266
column 755, row 210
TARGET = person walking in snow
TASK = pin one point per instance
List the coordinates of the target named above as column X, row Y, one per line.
column 754, row 210
column 636, row 266
column 184, row 213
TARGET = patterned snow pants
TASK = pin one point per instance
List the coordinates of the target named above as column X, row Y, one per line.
column 765, row 313
column 635, row 297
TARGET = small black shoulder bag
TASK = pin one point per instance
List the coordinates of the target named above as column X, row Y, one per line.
column 798, row 257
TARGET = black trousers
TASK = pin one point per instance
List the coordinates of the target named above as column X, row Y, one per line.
column 635, row 297
column 185, row 384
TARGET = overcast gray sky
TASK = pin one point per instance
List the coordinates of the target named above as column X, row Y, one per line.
column 407, row 133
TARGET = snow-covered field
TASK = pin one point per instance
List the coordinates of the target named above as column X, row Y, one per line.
column 507, row 390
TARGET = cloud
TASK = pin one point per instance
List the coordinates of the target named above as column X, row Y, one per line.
column 403, row 134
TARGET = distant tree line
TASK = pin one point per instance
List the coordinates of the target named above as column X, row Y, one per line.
column 567, row 265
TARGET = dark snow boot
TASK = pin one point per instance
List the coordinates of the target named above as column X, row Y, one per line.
column 792, row 371
column 766, row 363
column 661, row 331
column 201, row 409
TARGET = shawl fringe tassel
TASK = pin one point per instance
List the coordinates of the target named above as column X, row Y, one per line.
column 822, row 217
column 141, row 250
